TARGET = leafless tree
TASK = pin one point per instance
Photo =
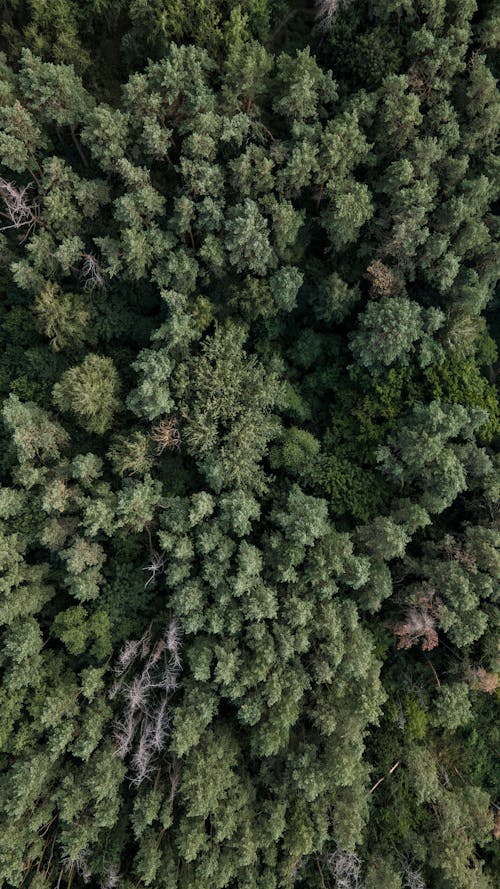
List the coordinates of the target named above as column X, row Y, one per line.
column 413, row 879
column 173, row 641
column 326, row 10
column 483, row 680
column 143, row 754
column 142, row 730
column 128, row 655
column 345, row 868
column 169, row 680
column 124, row 734
column 166, row 434
column 92, row 272
column 112, row 878
column 445, row 776
column 137, row 692
column 155, row 567
column 296, row 868
column 20, row 212
column 79, row 864
column 145, row 642
column 126, row 659
column 161, row 725
column 418, row 627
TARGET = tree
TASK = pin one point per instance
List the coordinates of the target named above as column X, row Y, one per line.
column 36, row 435
column 227, row 411
column 278, row 565
column 90, row 390
column 247, row 239
column 422, row 452
column 388, row 330
column 64, row 317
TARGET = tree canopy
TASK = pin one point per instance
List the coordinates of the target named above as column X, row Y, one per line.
column 249, row 539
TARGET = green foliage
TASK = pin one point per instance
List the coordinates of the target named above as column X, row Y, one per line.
column 353, row 490
column 249, row 545
column 63, row 317
column 227, row 418
column 296, row 451
column 388, row 330
column 35, row 435
column 90, row 390
column 453, row 706
column 247, row 238
column 461, row 382
column 423, row 448
column 106, row 40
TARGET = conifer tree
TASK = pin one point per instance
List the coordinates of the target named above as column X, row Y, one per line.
column 248, row 485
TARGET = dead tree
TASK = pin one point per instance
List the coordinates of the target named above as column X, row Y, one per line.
column 20, row 211
column 148, row 674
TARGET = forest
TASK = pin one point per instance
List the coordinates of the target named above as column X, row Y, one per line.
column 249, row 429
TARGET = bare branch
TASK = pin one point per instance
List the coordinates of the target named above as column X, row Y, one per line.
column 112, row 878
column 19, row 211
column 155, row 567
column 345, row 868
column 380, row 780
column 173, row 641
column 413, row 879
column 326, row 10
column 92, row 272
column 146, row 722
column 127, row 655
column 166, row 435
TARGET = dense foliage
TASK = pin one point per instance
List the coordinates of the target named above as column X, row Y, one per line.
column 249, row 539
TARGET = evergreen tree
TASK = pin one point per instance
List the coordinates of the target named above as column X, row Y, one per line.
column 249, row 535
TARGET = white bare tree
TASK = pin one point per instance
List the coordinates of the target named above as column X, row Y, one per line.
column 112, row 877
column 345, row 868
column 92, row 272
column 155, row 567
column 20, row 211
column 79, row 864
column 147, row 676
column 412, row 878
column 326, row 10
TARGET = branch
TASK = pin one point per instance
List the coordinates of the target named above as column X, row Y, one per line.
column 431, row 665
column 391, row 770
column 78, row 147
